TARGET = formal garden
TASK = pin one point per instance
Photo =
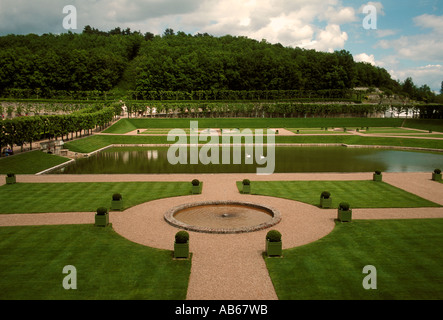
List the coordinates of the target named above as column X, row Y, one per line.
column 156, row 265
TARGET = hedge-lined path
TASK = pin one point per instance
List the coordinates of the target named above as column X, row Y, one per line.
column 231, row 266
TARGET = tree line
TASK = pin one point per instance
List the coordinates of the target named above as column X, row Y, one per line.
column 21, row 130
column 103, row 65
column 97, row 60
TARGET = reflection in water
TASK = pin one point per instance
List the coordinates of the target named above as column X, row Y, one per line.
column 288, row 159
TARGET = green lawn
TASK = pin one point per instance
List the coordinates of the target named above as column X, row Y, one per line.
column 125, row 125
column 83, row 196
column 96, row 142
column 108, row 266
column 359, row 194
column 407, row 255
column 29, row 162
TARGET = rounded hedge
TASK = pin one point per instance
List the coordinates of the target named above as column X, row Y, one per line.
column 344, row 206
column 10, row 174
column 181, row 237
column 325, row 194
column 437, row 171
column 102, row 211
column 246, row 182
column 195, row 182
column 116, row 197
column 273, row 236
column 378, row 172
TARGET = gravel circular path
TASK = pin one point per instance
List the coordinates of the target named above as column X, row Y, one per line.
column 231, row 266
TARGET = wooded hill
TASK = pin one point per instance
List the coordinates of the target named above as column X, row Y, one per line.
column 122, row 61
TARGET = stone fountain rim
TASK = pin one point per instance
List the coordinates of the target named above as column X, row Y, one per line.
column 169, row 217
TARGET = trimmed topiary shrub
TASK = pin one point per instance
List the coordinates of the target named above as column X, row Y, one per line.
column 116, row 197
column 343, row 206
column 195, row 182
column 344, row 213
column 181, row 245
column 182, row 237
column 325, row 194
column 273, row 236
column 102, row 211
column 325, row 199
column 117, row 202
column 102, row 217
column 273, row 243
column 377, row 176
column 246, row 182
column 10, row 178
column 437, row 171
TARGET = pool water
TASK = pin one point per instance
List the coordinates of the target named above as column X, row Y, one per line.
column 287, row 159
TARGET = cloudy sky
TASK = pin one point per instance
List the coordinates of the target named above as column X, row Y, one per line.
column 407, row 40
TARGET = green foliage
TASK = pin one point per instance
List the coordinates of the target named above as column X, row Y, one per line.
column 437, row 171
column 343, row 206
column 182, row 237
column 325, row 194
column 377, row 172
column 273, row 236
column 175, row 65
column 101, row 211
column 21, row 130
column 116, row 197
column 246, row 182
column 195, row 182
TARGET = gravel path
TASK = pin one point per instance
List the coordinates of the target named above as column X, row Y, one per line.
column 231, row 267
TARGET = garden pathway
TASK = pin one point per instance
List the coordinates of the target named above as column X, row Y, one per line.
column 231, row 267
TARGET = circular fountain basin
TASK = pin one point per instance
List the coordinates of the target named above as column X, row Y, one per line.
column 222, row 217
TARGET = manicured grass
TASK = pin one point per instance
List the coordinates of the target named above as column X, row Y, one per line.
column 122, row 126
column 96, row 142
column 407, row 255
column 83, row 196
column 126, row 125
column 315, row 131
column 108, row 266
column 29, row 162
column 388, row 130
column 424, row 124
column 359, row 194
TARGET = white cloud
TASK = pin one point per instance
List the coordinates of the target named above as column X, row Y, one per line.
column 329, row 39
column 377, row 5
column 424, row 47
column 364, row 57
column 339, row 15
column 430, row 21
column 428, row 74
column 288, row 22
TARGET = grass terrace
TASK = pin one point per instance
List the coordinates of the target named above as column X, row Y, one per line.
column 406, row 254
column 108, row 266
column 83, row 196
column 360, row 194
column 29, row 162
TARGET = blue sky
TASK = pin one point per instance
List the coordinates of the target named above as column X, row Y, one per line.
column 408, row 41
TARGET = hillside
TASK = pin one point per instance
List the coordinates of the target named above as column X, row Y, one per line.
column 129, row 61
